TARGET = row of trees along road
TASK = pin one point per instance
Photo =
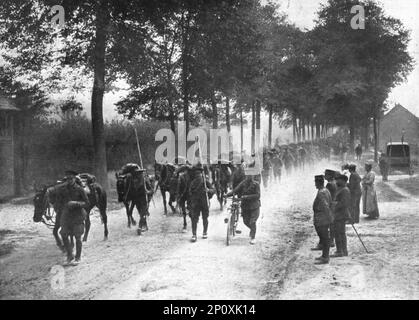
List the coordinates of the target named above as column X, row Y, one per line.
column 208, row 59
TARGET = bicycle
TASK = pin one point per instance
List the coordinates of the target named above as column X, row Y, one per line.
column 232, row 219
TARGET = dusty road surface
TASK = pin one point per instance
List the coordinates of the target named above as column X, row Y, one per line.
column 163, row 264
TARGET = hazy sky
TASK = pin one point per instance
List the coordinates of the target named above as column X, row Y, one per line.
column 303, row 12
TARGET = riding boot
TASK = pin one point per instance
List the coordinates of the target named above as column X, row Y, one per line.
column 205, row 224
column 68, row 248
column 344, row 246
column 78, row 249
column 194, row 226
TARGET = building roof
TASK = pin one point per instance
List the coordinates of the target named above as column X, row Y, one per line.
column 7, row 104
column 400, row 108
column 398, row 143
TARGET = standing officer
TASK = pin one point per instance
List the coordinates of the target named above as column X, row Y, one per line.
column 200, row 193
column 322, row 218
column 354, row 186
column 329, row 175
column 341, row 215
column 249, row 192
column 73, row 216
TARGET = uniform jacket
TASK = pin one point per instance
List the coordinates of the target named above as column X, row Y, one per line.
column 197, row 190
column 331, row 186
column 237, row 177
column 354, row 184
column 322, row 208
column 342, row 205
column 76, row 202
column 250, row 189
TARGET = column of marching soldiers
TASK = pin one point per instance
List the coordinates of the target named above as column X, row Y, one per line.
column 192, row 187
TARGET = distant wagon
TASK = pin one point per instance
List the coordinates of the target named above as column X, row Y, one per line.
column 398, row 154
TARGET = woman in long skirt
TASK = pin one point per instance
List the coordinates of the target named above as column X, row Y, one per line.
column 369, row 196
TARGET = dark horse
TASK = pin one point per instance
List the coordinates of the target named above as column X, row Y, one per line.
column 167, row 181
column 51, row 195
column 134, row 188
column 221, row 176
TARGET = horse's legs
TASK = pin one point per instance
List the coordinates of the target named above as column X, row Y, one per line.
column 171, row 199
column 182, row 206
column 130, row 211
column 163, row 194
column 87, row 227
column 58, row 240
column 105, row 222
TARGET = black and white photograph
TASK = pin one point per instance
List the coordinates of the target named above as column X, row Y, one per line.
column 228, row 151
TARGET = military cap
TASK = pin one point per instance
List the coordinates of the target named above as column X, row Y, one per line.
column 70, row 173
column 352, row 167
column 329, row 172
column 198, row 166
column 342, row 177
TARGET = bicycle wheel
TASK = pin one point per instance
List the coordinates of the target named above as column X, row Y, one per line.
column 233, row 224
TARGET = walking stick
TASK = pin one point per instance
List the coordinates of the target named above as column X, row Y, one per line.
column 359, row 238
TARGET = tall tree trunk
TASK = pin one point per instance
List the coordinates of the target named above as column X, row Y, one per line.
column 270, row 127
column 241, row 130
column 351, row 138
column 185, row 72
column 294, row 128
column 214, row 111
column 253, row 127
column 312, row 132
column 228, row 114
column 172, row 116
column 318, row 131
column 376, row 142
column 366, row 134
column 98, row 131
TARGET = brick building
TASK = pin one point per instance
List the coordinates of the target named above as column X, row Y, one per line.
column 7, row 147
column 396, row 123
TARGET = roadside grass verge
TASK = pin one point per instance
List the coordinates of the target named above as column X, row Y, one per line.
column 411, row 185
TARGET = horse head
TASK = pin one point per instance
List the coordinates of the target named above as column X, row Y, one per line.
column 41, row 203
column 120, row 186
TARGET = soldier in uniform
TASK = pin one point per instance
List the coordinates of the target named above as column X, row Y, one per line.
column 329, row 175
column 182, row 191
column 238, row 175
column 73, row 216
column 322, row 218
column 354, row 186
column 200, row 193
column 249, row 192
column 341, row 214
column 384, row 166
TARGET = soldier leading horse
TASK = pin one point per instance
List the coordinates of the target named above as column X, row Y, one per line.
column 51, row 195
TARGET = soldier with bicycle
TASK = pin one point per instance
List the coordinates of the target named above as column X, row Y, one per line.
column 249, row 193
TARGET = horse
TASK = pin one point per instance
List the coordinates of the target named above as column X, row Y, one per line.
column 134, row 188
column 276, row 165
column 52, row 195
column 182, row 191
column 221, row 175
column 167, row 181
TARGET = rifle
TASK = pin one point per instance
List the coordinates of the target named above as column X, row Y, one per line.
column 141, row 164
column 203, row 174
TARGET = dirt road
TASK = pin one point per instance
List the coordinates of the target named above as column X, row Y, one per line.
column 163, row 264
